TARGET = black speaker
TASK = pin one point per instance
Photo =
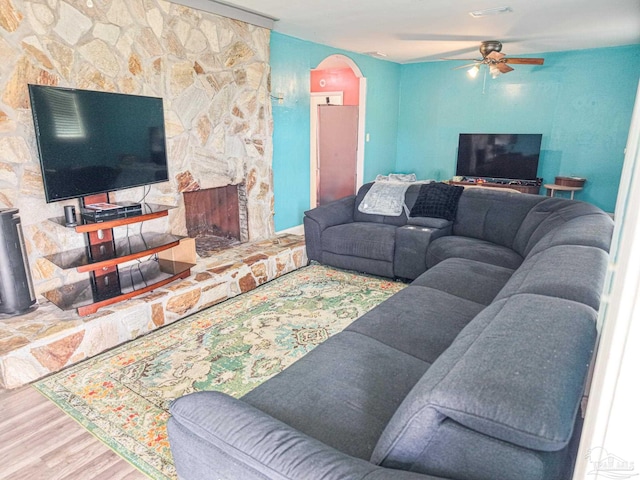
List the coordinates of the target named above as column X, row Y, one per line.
column 16, row 288
column 70, row 216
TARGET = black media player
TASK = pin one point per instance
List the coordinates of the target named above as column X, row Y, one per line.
column 123, row 210
column 129, row 209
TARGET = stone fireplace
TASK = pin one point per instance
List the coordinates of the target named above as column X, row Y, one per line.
column 216, row 217
column 211, row 72
column 214, row 78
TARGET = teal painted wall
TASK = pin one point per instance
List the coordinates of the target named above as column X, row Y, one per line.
column 291, row 63
column 581, row 101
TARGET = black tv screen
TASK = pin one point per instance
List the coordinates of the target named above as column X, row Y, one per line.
column 499, row 156
column 95, row 142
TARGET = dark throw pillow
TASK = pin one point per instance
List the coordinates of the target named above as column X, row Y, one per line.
column 437, row 200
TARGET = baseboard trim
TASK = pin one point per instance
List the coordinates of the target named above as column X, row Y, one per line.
column 297, row 230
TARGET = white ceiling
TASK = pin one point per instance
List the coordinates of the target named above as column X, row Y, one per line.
column 425, row 30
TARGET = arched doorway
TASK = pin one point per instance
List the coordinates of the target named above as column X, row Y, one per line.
column 338, row 79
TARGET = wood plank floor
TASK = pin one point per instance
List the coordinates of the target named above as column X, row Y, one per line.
column 39, row 441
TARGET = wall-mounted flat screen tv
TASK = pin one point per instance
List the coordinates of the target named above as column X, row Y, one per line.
column 499, row 156
column 95, row 142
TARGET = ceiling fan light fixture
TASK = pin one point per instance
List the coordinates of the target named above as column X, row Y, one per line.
column 473, row 71
column 490, row 11
column 494, row 71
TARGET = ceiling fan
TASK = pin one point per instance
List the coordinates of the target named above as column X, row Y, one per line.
column 496, row 61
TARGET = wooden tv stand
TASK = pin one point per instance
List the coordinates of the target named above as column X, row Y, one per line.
column 532, row 189
column 109, row 281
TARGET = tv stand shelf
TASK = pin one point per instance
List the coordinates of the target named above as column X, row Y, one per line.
column 151, row 211
column 133, row 280
column 532, row 189
column 110, row 282
column 128, row 248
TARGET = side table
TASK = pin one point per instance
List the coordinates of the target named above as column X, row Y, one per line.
column 552, row 188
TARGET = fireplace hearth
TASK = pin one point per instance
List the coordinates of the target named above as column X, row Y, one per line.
column 208, row 245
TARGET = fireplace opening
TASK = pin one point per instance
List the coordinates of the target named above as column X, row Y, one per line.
column 216, row 218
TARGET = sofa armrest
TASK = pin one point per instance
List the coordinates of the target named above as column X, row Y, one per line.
column 317, row 219
column 334, row 213
column 412, row 242
column 213, row 435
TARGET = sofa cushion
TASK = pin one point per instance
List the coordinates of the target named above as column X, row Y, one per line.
column 455, row 246
column 437, row 200
column 566, row 271
column 419, row 321
column 361, row 239
column 493, row 215
column 516, row 372
column 342, row 393
column 472, row 280
column 556, row 221
column 528, row 390
column 590, row 230
column 457, row 452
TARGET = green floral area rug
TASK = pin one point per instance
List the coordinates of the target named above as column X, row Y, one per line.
column 122, row 396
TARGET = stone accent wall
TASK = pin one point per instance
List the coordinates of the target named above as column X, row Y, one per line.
column 212, row 72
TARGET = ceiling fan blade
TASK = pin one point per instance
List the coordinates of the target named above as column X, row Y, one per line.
column 503, row 67
column 449, row 55
column 524, row 61
column 467, row 65
column 462, row 59
column 495, row 55
column 436, row 37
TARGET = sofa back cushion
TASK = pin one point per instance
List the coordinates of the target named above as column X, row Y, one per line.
column 492, row 215
column 557, row 221
column 573, row 272
column 515, row 374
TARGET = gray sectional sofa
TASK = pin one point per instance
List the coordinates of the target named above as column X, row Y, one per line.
column 340, row 235
column 474, row 371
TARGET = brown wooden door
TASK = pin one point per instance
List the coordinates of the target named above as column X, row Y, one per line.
column 337, row 151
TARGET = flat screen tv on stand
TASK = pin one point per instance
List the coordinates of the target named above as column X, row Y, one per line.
column 91, row 143
column 499, row 158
